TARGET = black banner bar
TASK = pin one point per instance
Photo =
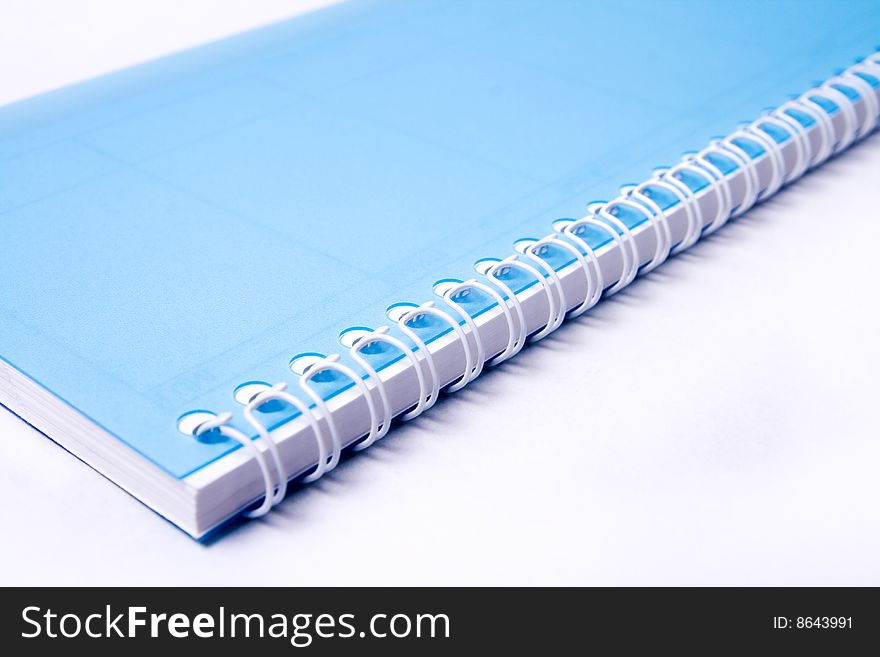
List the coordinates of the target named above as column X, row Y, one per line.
column 440, row 621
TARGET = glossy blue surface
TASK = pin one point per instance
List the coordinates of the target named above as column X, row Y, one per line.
column 176, row 229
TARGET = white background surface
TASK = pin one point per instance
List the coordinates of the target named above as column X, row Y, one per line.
column 715, row 423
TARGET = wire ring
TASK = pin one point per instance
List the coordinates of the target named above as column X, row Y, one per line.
column 533, row 251
column 278, row 392
column 654, row 222
column 513, row 345
column 631, row 257
column 281, row 488
column 491, row 274
column 512, row 261
column 427, row 358
column 798, row 136
column 593, row 283
column 774, row 153
column 381, row 335
column 722, row 214
column 726, row 207
column 658, row 218
column 822, row 119
column 556, row 312
column 866, row 91
column 745, row 164
column 685, row 202
column 331, row 363
column 826, row 121
column 657, row 258
column 220, row 424
column 802, row 139
column 429, row 308
column 378, row 384
column 569, row 231
column 617, row 238
column 748, row 167
column 725, row 198
column 695, row 229
column 848, row 109
column 480, row 356
column 553, row 280
column 502, row 305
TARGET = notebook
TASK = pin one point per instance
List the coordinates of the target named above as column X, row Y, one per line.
column 229, row 268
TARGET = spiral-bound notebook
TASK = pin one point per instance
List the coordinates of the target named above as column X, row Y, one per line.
column 226, row 269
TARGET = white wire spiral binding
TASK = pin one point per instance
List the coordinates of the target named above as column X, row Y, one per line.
column 570, row 230
column 591, row 298
column 798, row 134
column 534, row 249
column 774, row 153
column 825, row 121
column 430, row 308
column 379, row 386
column 555, row 315
column 599, row 216
column 279, row 392
column 449, row 295
column 331, row 363
column 220, row 423
column 381, row 335
column 427, row 358
column 821, row 119
column 593, row 289
column 659, row 255
column 871, row 68
column 721, row 186
column 747, row 165
column 629, row 251
column 281, row 487
column 688, row 199
column 865, row 91
column 677, row 189
column 656, row 215
column 480, row 353
column 491, row 272
column 848, row 109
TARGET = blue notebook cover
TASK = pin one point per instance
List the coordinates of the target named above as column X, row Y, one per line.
column 176, row 229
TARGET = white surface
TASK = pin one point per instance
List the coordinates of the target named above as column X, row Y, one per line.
column 712, row 424
column 46, row 44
